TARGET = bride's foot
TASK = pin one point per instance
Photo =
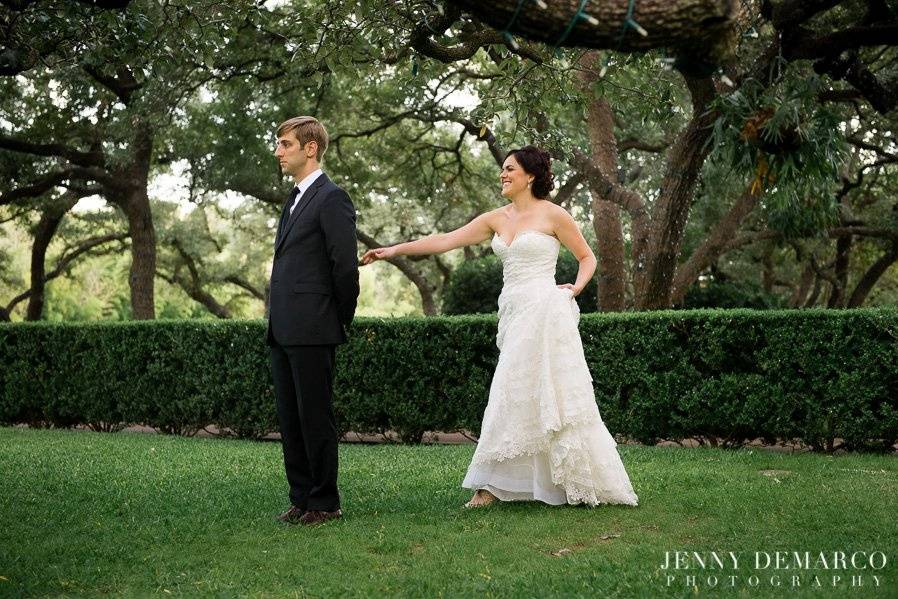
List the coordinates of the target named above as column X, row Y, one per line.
column 481, row 498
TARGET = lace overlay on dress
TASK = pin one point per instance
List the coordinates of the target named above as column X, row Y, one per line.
column 542, row 436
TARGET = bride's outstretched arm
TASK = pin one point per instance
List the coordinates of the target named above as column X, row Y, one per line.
column 569, row 234
column 476, row 231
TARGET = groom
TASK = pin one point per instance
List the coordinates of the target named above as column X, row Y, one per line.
column 314, row 289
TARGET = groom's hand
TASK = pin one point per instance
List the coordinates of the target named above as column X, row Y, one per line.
column 378, row 254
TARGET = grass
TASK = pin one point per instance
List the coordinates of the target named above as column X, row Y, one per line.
column 87, row 514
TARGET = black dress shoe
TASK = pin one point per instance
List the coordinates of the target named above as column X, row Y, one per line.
column 292, row 516
column 314, row 517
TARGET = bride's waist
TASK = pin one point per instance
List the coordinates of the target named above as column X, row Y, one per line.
column 527, row 283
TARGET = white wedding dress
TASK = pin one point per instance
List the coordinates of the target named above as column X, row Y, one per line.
column 542, row 437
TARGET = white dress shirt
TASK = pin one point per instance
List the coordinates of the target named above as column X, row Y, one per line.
column 304, row 185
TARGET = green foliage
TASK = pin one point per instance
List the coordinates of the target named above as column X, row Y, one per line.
column 386, row 292
column 213, row 81
column 452, row 358
column 730, row 294
column 9, row 275
column 814, row 376
column 475, row 285
column 788, row 142
column 175, row 376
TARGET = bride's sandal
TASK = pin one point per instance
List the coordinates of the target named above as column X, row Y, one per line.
column 481, row 498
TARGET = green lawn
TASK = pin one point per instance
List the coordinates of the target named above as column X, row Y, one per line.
column 133, row 514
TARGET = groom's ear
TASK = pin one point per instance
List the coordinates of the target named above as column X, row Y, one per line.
column 313, row 147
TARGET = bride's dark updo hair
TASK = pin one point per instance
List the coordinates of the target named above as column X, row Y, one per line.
column 538, row 163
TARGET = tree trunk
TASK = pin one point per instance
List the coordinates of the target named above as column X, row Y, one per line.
column 135, row 203
column 668, row 222
column 713, row 245
column 610, row 244
column 876, row 270
column 606, row 215
column 815, row 292
column 767, row 274
column 141, row 278
column 44, row 232
column 804, row 285
column 843, row 254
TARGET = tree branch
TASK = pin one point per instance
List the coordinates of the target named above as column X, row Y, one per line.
column 85, row 159
column 802, row 43
column 35, row 189
column 67, row 259
column 692, row 23
column 425, row 289
column 568, row 189
column 472, row 40
column 244, row 284
column 872, row 275
column 193, row 286
column 637, row 144
column 794, row 12
column 123, row 85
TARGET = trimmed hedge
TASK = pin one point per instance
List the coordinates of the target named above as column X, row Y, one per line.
column 812, row 376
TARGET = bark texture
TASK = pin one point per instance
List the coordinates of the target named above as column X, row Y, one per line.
column 691, row 24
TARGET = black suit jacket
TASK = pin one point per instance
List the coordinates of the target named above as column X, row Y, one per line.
column 315, row 276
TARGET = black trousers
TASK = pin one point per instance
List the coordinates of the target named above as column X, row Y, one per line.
column 303, row 382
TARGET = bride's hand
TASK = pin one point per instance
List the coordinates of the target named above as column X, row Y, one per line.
column 378, row 254
column 574, row 291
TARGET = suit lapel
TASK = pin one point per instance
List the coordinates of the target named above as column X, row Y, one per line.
column 304, row 201
column 285, row 213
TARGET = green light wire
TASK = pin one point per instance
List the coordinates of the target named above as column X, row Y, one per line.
column 629, row 23
column 570, row 26
column 514, row 17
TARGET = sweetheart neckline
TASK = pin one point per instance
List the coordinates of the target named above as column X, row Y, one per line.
column 519, row 233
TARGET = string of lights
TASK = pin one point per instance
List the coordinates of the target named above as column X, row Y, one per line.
column 629, row 22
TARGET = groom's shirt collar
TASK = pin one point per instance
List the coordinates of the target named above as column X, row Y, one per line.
column 304, row 185
column 308, row 180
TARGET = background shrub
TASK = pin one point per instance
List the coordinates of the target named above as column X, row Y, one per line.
column 475, row 285
column 731, row 294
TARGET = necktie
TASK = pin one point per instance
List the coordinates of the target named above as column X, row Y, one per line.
column 285, row 212
column 295, row 205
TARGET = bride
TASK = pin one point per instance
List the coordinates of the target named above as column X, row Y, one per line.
column 542, row 437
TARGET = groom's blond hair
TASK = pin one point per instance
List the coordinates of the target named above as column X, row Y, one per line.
column 306, row 128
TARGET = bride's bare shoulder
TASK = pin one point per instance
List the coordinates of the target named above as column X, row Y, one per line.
column 556, row 215
column 496, row 217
